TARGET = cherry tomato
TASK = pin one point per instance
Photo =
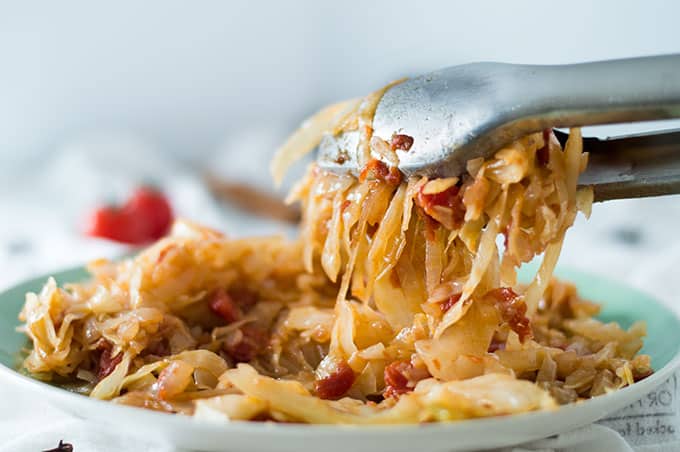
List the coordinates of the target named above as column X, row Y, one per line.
column 145, row 217
column 154, row 207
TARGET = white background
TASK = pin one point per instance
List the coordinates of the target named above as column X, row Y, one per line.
column 185, row 75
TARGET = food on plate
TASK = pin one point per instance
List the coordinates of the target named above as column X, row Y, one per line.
column 398, row 303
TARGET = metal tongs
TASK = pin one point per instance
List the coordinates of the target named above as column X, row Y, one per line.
column 463, row 112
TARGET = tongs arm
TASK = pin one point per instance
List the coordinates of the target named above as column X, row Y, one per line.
column 633, row 166
column 464, row 112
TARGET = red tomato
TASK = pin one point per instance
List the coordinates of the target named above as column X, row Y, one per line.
column 114, row 224
column 145, row 217
column 154, row 207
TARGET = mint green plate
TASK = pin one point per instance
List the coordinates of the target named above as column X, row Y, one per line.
column 621, row 304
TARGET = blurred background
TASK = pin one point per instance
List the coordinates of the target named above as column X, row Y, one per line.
column 96, row 99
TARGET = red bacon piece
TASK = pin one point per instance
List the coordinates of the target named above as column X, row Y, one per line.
column 401, row 142
column 246, row 343
column 449, row 302
column 377, row 169
column 107, row 363
column 446, row 207
column 513, row 311
column 401, row 377
column 337, row 383
column 223, row 305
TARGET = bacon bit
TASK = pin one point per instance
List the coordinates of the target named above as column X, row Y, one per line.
column 246, row 343
column 345, row 204
column 513, row 311
column 377, row 169
column 401, row 377
column 448, row 303
column 394, row 176
column 396, row 382
column 502, row 294
column 401, row 142
column 223, row 305
column 336, row 384
column 451, row 199
column 107, row 363
column 543, row 154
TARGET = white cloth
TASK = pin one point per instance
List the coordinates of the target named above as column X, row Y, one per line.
column 38, row 234
column 586, row 439
column 32, row 425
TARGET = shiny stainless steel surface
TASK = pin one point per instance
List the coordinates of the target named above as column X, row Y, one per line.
column 468, row 111
column 632, row 167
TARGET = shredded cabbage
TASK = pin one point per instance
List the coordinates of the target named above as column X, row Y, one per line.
column 396, row 304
